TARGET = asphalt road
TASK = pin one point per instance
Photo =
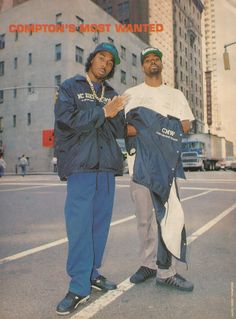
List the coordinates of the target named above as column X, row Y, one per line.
column 33, row 252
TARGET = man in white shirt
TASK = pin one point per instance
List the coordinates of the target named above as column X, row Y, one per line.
column 154, row 95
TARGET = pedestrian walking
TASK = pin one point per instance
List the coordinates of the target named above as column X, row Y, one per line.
column 23, row 165
column 3, row 166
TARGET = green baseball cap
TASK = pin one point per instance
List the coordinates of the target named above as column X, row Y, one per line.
column 150, row 50
column 106, row 46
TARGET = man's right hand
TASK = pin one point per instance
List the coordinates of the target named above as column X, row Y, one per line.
column 115, row 105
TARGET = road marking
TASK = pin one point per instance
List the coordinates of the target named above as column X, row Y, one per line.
column 103, row 301
column 64, row 240
column 37, row 185
column 194, row 196
column 210, row 180
column 232, row 299
column 52, row 244
column 210, row 224
column 25, row 188
column 125, row 285
column 32, row 251
column 212, row 189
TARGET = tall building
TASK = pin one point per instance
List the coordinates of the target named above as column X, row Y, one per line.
column 188, row 56
column 127, row 11
column 33, row 64
column 213, row 117
column 162, row 12
column 180, row 42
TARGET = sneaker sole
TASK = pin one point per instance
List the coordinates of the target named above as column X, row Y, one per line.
column 84, row 300
column 103, row 289
column 98, row 288
column 163, row 284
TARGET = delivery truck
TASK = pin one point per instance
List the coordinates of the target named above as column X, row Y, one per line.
column 204, row 151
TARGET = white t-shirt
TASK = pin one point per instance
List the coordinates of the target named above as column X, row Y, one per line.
column 162, row 99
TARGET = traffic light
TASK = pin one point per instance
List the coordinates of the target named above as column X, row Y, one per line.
column 226, row 60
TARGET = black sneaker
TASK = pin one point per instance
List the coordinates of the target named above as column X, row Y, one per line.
column 102, row 283
column 142, row 274
column 70, row 303
column 177, row 282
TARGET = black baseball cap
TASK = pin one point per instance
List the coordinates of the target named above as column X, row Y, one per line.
column 105, row 46
column 150, row 50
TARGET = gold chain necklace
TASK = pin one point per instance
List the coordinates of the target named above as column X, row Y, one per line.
column 93, row 90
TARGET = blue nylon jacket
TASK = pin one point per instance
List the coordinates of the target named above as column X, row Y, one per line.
column 84, row 139
column 158, row 156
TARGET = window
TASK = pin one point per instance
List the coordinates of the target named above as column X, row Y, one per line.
column 123, row 77
column 30, row 58
column 14, row 120
column 1, row 96
column 180, row 58
column 79, row 22
column 109, row 10
column 1, row 68
column 134, row 59
column 58, row 52
column 2, row 41
column 30, row 90
column 134, row 80
column 123, row 52
column 15, row 63
column 16, row 36
column 58, row 18
column 79, row 55
column 31, row 32
column 15, row 92
column 1, row 126
column 110, row 40
column 58, row 80
column 28, row 118
column 123, row 9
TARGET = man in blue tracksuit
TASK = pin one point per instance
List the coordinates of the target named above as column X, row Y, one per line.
column 88, row 119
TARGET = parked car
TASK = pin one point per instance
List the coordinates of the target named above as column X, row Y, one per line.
column 228, row 161
column 121, row 143
column 233, row 166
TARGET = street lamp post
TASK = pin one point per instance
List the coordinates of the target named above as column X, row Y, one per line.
column 226, row 56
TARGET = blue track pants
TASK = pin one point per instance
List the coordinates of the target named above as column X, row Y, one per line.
column 88, row 211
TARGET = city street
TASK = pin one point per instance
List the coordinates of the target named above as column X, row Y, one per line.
column 34, row 247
